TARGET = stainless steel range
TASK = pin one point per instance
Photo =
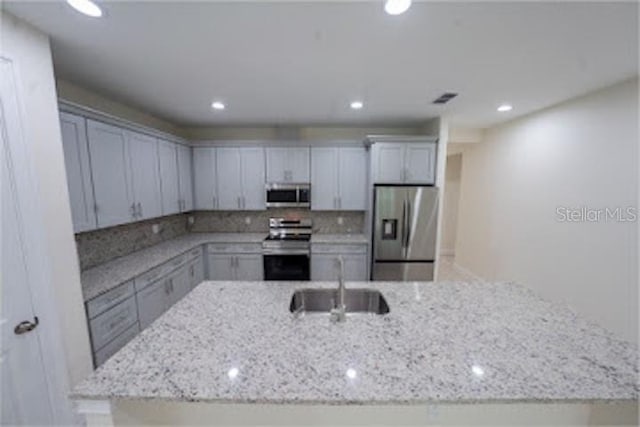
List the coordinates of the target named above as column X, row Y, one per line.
column 287, row 249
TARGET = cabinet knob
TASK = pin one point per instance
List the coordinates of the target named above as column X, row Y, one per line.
column 26, row 326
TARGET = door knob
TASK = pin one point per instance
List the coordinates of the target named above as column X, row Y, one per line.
column 26, row 326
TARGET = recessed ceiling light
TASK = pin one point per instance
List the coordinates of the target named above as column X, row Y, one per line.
column 86, row 7
column 357, row 105
column 217, row 105
column 396, row 7
column 504, row 108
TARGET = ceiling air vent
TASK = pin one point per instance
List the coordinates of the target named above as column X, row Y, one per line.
column 445, row 97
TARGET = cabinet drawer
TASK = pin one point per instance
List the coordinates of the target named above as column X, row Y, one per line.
column 159, row 272
column 194, row 253
column 112, row 348
column 113, row 322
column 320, row 248
column 104, row 302
column 234, row 248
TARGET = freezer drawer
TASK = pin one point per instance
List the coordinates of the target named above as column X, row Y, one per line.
column 403, row 271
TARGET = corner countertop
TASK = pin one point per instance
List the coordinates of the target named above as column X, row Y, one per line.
column 104, row 277
column 448, row 342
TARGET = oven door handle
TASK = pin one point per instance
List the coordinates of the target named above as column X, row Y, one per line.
column 286, row 252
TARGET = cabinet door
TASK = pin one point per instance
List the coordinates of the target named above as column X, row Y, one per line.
column 76, row 160
column 168, row 162
column 204, row 171
column 179, row 284
column 253, row 185
column 196, row 272
column 221, row 266
column 143, row 157
column 277, row 164
column 324, row 178
column 298, row 159
column 388, row 163
column 152, row 302
column 352, row 177
column 323, row 267
column 420, row 163
column 249, row 267
column 185, row 178
column 110, row 173
column 228, row 178
column 355, row 267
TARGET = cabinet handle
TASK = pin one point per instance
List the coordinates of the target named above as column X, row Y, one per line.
column 214, row 202
column 166, row 287
column 132, row 208
column 239, row 207
column 140, row 209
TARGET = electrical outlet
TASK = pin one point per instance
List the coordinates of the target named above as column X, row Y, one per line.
column 247, row 220
column 340, row 220
column 155, row 228
column 192, row 220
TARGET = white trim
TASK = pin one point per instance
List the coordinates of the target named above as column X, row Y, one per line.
column 372, row 139
column 91, row 113
column 276, row 143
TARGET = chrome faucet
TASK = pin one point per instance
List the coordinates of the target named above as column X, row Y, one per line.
column 339, row 313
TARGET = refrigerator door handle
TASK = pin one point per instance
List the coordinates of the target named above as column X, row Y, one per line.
column 404, row 228
column 408, row 239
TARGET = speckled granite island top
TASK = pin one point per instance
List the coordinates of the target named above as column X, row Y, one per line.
column 444, row 342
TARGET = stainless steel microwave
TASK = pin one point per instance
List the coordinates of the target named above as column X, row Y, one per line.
column 288, row 195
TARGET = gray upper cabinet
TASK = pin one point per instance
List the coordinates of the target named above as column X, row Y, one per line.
column 287, row 164
column 110, row 172
column 204, row 182
column 404, row 163
column 185, row 178
column 241, row 178
column 168, row 164
column 78, row 167
column 338, row 178
column 145, row 177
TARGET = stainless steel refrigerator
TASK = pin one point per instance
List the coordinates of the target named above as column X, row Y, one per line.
column 404, row 232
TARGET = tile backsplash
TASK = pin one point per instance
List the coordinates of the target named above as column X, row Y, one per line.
column 99, row 246
column 324, row 222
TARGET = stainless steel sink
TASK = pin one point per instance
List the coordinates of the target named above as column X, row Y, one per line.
column 322, row 301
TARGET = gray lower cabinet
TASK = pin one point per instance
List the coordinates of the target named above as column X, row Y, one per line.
column 120, row 314
column 246, row 267
column 323, row 262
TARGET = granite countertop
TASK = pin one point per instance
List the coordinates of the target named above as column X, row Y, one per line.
column 445, row 342
column 339, row 238
column 102, row 278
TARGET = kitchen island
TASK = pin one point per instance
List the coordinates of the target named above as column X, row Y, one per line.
column 236, row 343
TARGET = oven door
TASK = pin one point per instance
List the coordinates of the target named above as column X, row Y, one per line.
column 290, row 266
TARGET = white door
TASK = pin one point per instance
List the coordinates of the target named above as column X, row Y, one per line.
column 76, row 159
column 185, row 178
column 388, row 165
column 277, row 164
column 32, row 368
column 253, row 175
column 152, row 302
column 204, row 171
column 228, row 178
column 324, row 178
column 249, row 267
column 299, row 164
column 143, row 156
column 110, row 171
column 168, row 164
column 420, row 163
column 353, row 179
column 323, row 267
column 221, row 266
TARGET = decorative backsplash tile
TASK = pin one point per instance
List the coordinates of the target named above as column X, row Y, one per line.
column 324, row 222
column 99, row 246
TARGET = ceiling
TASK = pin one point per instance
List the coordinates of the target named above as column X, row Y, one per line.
column 302, row 63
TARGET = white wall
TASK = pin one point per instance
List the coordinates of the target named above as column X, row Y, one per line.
column 583, row 152
column 30, row 53
column 450, row 201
